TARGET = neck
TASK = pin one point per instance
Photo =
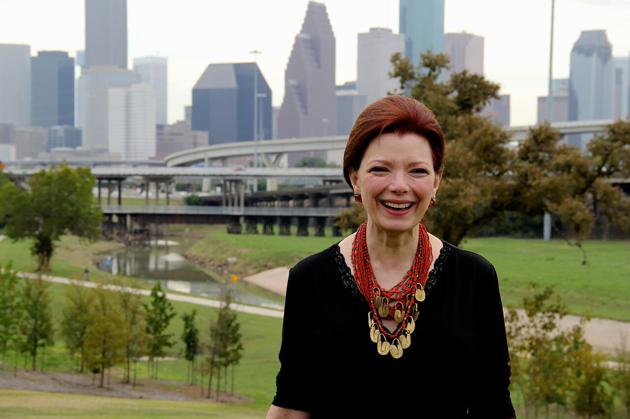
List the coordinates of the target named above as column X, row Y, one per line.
column 391, row 249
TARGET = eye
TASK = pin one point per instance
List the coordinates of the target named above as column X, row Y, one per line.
column 419, row 171
column 378, row 170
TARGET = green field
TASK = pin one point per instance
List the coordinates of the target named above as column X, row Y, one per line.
column 30, row 404
column 599, row 289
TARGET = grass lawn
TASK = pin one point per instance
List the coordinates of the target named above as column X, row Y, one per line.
column 599, row 289
column 30, row 404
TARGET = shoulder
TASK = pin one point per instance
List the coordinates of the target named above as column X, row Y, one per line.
column 315, row 263
column 470, row 264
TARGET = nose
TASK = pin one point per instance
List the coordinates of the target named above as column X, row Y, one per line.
column 399, row 185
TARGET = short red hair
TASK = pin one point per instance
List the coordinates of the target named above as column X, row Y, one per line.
column 392, row 114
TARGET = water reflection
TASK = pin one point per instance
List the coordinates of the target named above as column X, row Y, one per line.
column 164, row 265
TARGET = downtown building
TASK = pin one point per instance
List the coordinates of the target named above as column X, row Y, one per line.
column 153, row 71
column 309, row 104
column 350, row 103
column 52, row 89
column 131, row 116
column 374, row 52
column 466, row 52
column 232, row 102
column 15, row 84
column 590, row 81
column 559, row 102
column 422, row 24
column 106, row 33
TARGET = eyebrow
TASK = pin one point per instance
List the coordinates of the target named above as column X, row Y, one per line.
column 413, row 163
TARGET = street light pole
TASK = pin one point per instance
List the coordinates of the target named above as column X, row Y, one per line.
column 547, row 216
column 255, row 53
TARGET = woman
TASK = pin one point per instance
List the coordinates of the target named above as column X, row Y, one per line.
column 392, row 321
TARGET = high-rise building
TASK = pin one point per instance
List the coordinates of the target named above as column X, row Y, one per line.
column 92, row 102
column 422, row 23
column 52, row 89
column 28, row 141
column 106, row 33
column 15, row 84
column 153, row 71
column 350, row 103
column 179, row 136
column 560, row 103
column 498, row 110
column 131, row 113
column 375, row 49
column 621, row 87
column 590, row 81
column 308, row 106
column 225, row 105
column 63, row 137
column 466, row 52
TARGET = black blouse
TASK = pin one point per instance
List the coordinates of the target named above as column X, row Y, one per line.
column 456, row 367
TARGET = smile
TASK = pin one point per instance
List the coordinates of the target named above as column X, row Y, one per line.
column 397, row 206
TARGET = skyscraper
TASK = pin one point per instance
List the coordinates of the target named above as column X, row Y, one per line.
column 621, row 87
column 106, row 33
column 153, row 71
column 308, row 108
column 52, row 89
column 375, row 49
column 466, row 52
column 350, row 103
column 559, row 105
column 131, row 116
column 93, row 100
column 422, row 23
column 223, row 103
column 590, row 80
column 15, row 84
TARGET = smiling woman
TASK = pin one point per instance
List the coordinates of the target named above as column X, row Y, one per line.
column 393, row 321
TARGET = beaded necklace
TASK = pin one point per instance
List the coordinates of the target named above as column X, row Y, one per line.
column 399, row 303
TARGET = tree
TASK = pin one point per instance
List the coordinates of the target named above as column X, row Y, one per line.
column 77, row 318
column 134, row 329
column 593, row 394
column 190, row 337
column 10, row 310
column 159, row 314
column 225, row 347
column 57, row 201
column 105, row 339
column 36, row 327
column 485, row 177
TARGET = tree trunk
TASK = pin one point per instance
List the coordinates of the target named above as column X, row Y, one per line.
column 34, row 356
column 102, row 375
column 43, row 361
column 210, row 374
column 82, row 367
column 218, row 382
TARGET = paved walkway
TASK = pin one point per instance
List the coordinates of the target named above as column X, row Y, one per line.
column 171, row 296
column 603, row 334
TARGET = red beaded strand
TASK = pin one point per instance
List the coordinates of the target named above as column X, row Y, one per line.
column 416, row 277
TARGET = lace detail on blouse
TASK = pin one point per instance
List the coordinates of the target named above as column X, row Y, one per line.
column 347, row 278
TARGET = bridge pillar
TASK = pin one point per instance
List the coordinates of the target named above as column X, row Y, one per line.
column 120, row 192
column 147, row 185
column 234, row 225
column 320, row 226
column 302, row 228
column 98, row 182
column 251, row 225
column 268, row 226
column 157, row 192
column 285, row 226
column 109, row 191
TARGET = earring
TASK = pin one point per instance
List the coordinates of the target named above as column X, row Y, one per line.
column 357, row 196
column 432, row 202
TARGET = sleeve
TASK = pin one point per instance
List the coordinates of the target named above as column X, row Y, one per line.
column 294, row 380
column 491, row 394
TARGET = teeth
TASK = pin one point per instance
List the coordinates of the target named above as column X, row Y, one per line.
column 397, row 206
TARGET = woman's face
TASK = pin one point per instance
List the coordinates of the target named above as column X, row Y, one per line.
column 396, row 181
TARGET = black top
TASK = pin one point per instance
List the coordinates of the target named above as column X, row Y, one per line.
column 456, row 367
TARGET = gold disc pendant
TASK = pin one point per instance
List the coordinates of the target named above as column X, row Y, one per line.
column 395, row 349
column 420, row 294
column 382, row 346
column 405, row 339
column 370, row 319
column 374, row 333
column 411, row 325
column 415, row 312
column 383, row 310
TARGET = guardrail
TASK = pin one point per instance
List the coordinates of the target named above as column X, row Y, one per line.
column 237, row 211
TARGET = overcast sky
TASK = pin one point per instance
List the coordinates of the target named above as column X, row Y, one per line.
column 194, row 33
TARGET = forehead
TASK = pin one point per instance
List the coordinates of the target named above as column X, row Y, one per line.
column 398, row 147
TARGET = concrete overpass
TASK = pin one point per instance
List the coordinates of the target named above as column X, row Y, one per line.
column 273, row 150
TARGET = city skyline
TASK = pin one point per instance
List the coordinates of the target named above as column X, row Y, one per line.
column 516, row 44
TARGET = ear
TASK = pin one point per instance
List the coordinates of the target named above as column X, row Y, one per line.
column 354, row 177
column 437, row 181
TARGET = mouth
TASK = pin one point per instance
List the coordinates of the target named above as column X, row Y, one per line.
column 398, row 208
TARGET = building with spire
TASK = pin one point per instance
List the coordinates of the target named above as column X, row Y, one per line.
column 309, row 105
